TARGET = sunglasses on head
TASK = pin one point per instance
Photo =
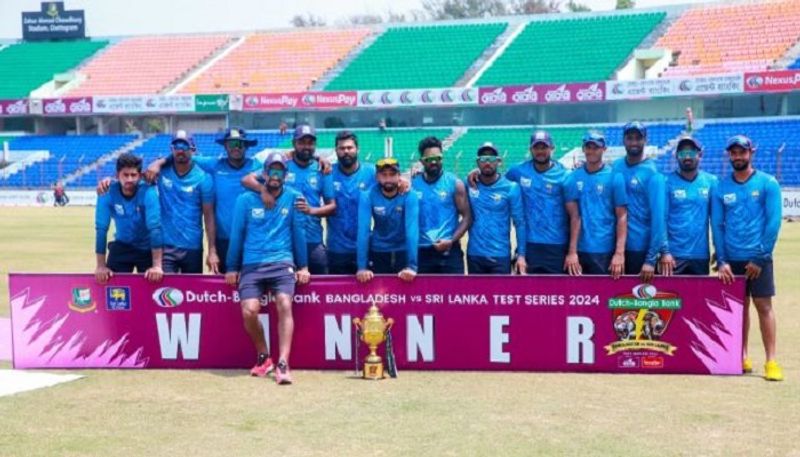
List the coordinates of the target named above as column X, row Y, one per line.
column 431, row 159
column 688, row 153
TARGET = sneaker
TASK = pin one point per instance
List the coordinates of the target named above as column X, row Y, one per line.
column 282, row 374
column 262, row 369
column 773, row 371
column 747, row 365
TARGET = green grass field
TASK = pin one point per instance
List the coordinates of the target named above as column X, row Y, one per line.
column 202, row 413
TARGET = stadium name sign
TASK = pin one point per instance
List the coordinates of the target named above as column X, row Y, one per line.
column 589, row 324
column 53, row 23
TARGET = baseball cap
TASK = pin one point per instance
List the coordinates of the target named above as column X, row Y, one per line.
column 684, row 139
column 488, row 146
column 739, row 140
column 236, row 134
column 635, row 126
column 387, row 162
column 540, row 136
column 303, row 130
column 593, row 137
column 273, row 158
column 182, row 135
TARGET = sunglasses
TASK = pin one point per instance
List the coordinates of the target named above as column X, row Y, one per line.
column 235, row 144
column 687, row 154
column 386, row 162
column 431, row 159
column 488, row 159
column 181, row 146
column 276, row 173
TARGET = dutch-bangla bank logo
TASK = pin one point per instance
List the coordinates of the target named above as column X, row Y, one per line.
column 168, row 297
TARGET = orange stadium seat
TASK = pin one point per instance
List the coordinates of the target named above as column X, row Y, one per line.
column 146, row 65
column 287, row 61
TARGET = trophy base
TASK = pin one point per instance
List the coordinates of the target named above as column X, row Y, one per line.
column 373, row 371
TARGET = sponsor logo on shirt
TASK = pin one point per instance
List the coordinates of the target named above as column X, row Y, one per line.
column 398, row 209
column 119, row 209
column 729, row 199
column 634, row 182
column 525, row 182
column 755, row 194
column 497, row 197
column 290, row 177
column 257, row 213
column 549, row 188
column 679, row 193
column 167, row 182
column 579, row 185
column 337, row 186
column 442, row 195
column 380, row 210
column 362, row 185
column 187, row 189
column 474, row 193
column 284, row 212
column 600, row 188
column 704, row 192
column 312, row 181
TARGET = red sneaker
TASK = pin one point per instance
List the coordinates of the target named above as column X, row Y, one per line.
column 282, row 374
column 263, row 369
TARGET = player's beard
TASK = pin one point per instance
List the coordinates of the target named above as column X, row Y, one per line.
column 541, row 160
column 389, row 187
column 634, row 151
column 689, row 165
column 182, row 158
column 304, row 154
column 740, row 165
column 347, row 160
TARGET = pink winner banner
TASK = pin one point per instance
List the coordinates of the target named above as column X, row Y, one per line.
column 533, row 323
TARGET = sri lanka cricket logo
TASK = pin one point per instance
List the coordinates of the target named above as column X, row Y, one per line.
column 641, row 318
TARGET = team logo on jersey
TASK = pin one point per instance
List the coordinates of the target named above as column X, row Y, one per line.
column 312, row 181
column 679, row 193
column 290, row 177
column 380, row 210
column 257, row 213
column 119, row 209
column 600, row 188
column 579, row 185
column 496, row 197
column 398, row 209
column 704, row 192
column 640, row 320
column 549, row 188
column 188, row 189
column 755, row 194
column 362, row 185
column 284, row 212
column 118, row 298
column 634, row 182
column 442, row 195
column 82, row 300
column 168, row 297
column 729, row 199
column 419, row 194
column 474, row 193
column 525, row 182
column 337, row 186
column 167, row 182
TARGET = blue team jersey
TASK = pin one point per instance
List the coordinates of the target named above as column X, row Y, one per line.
column 260, row 235
column 493, row 209
column 543, row 198
column 315, row 187
column 598, row 195
column 689, row 214
column 746, row 218
column 227, row 187
column 438, row 214
column 644, row 187
column 182, row 199
column 137, row 219
column 343, row 224
column 396, row 225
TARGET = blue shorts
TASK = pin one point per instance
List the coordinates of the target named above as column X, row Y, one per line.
column 477, row 265
column 124, row 258
column 317, row 259
column 178, row 260
column 432, row 261
column 634, row 261
column 342, row 263
column 382, row 263
column 693, row 267
column 761, row 287
column 545, row 259
column 595, row 264
column 256, row 280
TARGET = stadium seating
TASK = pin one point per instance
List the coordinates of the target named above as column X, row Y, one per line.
column 417, row 57
column 570, row 50
column 26, row 66
column 67, row 154
column 732, row 38
column 146, row 65
column 277, row 62
column 769, row 137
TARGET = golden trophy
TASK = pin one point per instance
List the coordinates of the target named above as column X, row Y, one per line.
column 373, row 332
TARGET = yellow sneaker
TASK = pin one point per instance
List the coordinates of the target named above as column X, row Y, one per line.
column 773, row 371
column 747, row 365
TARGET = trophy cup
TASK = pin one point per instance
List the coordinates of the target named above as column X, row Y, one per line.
column 373, row 330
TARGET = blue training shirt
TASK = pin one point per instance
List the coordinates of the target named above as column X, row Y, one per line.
column 260, row 235
column 137, row 220
column 396, row 225
column 343, row 224
column 493, row 208
column 644, row 187
column 227, row 187
column 314, row 186
column 543, row 199
column 598, row 195
column 689, row 215
column 746, row 218
column 438, row 213
column 182, row 199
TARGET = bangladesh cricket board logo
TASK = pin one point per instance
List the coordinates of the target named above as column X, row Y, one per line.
column 641, row 319
column 82, row 300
